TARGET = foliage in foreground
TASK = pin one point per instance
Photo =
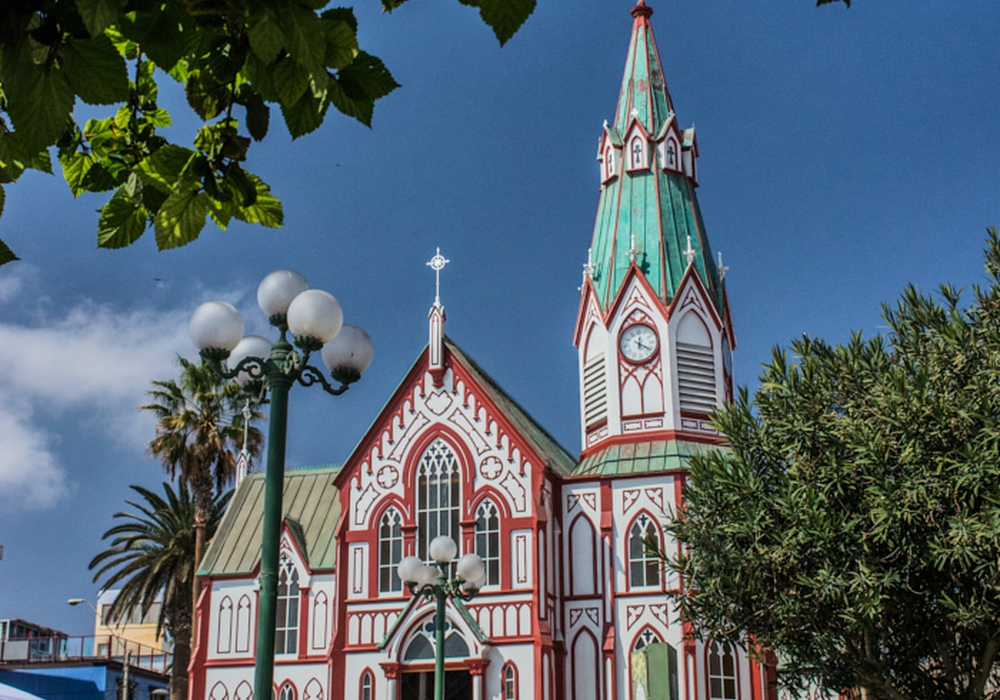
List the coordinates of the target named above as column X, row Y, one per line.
column 152, row 553
column 854, row 526
column 235, row 58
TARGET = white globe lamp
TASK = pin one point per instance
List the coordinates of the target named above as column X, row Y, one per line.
column 315, row 314
column 276, row 291
column 216, row 325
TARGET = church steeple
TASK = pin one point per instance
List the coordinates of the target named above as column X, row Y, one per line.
column 653, row 331
column 648, row 205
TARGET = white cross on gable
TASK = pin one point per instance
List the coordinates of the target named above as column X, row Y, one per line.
column 437, row 263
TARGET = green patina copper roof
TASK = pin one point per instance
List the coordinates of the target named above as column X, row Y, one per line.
column 554, row 454
column 640, row 458
column 651, row 209
column 311, row 510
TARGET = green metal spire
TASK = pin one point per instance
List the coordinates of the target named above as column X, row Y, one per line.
column 648, row 214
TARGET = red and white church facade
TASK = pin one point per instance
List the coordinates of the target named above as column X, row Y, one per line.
column 570, row 591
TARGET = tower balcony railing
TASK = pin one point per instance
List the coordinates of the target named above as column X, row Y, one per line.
column 64, row 650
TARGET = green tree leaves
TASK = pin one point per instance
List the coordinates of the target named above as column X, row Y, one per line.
column 228, row 56
column 854, row 524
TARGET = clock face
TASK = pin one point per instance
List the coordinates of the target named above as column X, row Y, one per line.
column 638, row 342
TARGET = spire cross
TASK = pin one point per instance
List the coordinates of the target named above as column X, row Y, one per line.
column 722, row 268
column 689, row 253
column 437, row 263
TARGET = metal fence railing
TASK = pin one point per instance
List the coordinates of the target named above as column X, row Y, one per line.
column 49, row 650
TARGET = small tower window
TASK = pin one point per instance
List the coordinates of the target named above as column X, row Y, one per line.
column 644, row 567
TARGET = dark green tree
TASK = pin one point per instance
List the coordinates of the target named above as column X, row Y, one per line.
column 152, row 554
column 853, row 525
column 235, row 59
column 199, row 432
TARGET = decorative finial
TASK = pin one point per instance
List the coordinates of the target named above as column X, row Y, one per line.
column 243, row 461
column 437, row 263
column 689, row 253
column 632, row 252
column 722, row 268
column 641, row 9
column 605, row 123
column 634, row 113
column 588, row 269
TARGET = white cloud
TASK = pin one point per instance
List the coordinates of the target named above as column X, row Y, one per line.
column 12, row 279
column 89, row 368
column 29, row 474
column 93, row 366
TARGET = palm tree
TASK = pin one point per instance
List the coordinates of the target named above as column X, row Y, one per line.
column 199, row 430
column 152, row 553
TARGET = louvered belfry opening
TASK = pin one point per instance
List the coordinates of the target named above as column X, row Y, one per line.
column 695, row 378
column 595, row 391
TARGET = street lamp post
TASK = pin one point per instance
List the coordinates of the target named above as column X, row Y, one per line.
column 315, row 320
column 433, row 582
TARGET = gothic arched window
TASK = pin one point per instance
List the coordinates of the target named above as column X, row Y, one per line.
column 438, row 502
column 367, row 686
column 721, row 672
column 488, row 540
column 390, row 551
column 644, row 566
column 286, row 631
column 287, row 692
column 509, row 680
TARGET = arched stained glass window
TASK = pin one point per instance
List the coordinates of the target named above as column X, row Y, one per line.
column 286, row 631
column 721, row 672
column 488, row 540
column 644, row 566
column 287, row 692
column 437, row 496
column 390, row 551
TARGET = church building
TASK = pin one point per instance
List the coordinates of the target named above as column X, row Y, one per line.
column 570, row 592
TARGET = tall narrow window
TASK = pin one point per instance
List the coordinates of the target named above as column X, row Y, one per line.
column 367, row 686
column 721, row 672
column 287, row 692
column 488, row 540
column 390, row 551
column 695, row 366
column 509, row 682
column 286, row 631
column 644, row 567
column 437, row 496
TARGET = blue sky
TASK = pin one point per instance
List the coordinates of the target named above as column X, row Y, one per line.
column 844, row 154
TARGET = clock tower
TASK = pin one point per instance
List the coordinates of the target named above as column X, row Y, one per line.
column 653, row 331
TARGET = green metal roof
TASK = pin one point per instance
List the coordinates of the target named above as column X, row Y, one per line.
column 652, row 209
column 311, row 509
column 555, row 455
column 641, row 458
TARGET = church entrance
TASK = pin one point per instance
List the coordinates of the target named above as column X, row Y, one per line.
column 420, row 686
